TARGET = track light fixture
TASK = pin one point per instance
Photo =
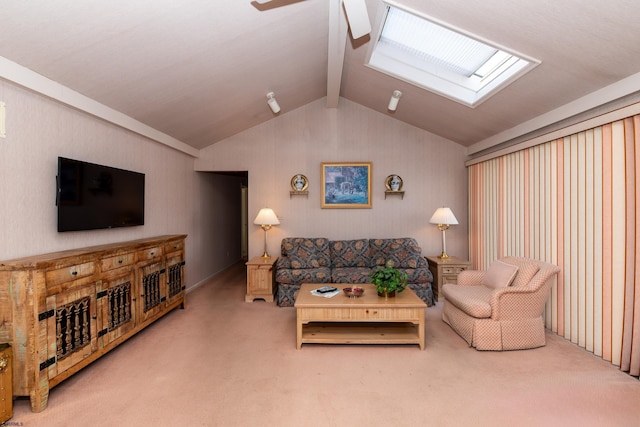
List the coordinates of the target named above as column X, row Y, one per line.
column 393, row 102
column 273, row 104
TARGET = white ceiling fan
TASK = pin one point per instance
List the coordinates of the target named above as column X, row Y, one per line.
column 355, row 11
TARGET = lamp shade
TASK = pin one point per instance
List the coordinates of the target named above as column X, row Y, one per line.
column 443, row 216
column 267, row 216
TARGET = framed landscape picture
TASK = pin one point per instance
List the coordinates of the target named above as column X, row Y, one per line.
column 346, row 185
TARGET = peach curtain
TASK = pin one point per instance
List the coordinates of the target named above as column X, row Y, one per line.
column 574, row 202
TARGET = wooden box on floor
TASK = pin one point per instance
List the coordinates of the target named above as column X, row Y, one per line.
column 6, row 386
column 61, row 311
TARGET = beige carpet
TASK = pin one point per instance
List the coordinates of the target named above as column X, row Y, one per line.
column 224, row 362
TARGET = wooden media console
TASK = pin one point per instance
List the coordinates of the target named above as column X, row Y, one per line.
column 61, row 311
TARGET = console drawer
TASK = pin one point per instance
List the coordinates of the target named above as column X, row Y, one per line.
column 150, row 253
column 173, row 247
column 67, row 274
column 117, row 261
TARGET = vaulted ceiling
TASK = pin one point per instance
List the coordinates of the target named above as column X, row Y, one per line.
column 199, row 70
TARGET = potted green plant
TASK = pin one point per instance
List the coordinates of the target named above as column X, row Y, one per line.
column 388, row 280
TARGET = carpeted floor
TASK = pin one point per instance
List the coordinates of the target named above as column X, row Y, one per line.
column 224, row 362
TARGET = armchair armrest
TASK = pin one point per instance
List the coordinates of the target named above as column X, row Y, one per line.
column 518, row 302
column 470, row 277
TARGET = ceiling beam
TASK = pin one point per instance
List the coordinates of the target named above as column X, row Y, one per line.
column 338, row 30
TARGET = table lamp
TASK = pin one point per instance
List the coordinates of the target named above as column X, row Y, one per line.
column 443, row 217
column 266, row 219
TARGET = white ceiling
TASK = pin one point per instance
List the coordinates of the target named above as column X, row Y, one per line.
column 199, row 70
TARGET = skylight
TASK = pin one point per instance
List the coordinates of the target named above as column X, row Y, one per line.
column 444, row 60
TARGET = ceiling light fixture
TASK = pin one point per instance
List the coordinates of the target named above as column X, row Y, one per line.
column 273, row 104
column 393, row 102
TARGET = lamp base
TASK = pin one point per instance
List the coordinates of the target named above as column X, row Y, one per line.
column 444, row 255
column 266, row 255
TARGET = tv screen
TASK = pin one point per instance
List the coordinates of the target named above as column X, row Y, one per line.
column 92, row 196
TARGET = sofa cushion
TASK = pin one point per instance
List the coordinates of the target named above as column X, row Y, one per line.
column 473, row 300
column 351, row 275
column 307, row 252
column 526, row 270
column 350, row 253
column 303, row 275
column 499, row 275
column 402, row 252
column 283, row 262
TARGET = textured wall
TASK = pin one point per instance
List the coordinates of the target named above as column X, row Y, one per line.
column 39, row 130
column 431, row 167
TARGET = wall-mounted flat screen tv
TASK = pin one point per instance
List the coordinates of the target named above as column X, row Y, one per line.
column 91, row 196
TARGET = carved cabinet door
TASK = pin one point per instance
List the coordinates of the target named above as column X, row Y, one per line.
column 116, row 306
column 72, row 315
column 151, row 297
column 175, row 277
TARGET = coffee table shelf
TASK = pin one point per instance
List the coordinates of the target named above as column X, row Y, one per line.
column 368, row 319
column 361, row 333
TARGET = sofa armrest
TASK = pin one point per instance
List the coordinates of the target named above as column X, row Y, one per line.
column 513, row 303
column 470, row 277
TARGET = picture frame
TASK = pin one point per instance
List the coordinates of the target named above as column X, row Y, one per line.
column 346, row 185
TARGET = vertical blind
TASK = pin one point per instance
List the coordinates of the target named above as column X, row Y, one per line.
column 574, row 202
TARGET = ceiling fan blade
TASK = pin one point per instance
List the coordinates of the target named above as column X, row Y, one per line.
column 358, row 18
column 355, row 11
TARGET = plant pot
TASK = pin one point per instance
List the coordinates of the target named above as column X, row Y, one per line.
column 391, row 294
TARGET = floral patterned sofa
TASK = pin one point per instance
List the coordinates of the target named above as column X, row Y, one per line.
column 320, row 260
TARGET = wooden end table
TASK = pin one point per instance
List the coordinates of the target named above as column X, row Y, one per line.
column 445, row 271
column 260, row 278
column 368, row 319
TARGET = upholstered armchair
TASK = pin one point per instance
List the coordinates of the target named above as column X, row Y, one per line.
column 500, row 308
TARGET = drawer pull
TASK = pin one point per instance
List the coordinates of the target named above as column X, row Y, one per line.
column 74, row 273
column 120, row 261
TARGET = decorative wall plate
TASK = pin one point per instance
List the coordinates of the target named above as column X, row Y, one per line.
column 299, row 182
column 393, row 183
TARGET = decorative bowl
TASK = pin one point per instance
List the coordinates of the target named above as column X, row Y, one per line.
column 353, row 292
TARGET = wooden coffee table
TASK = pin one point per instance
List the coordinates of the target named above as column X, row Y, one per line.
column 368, row 319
